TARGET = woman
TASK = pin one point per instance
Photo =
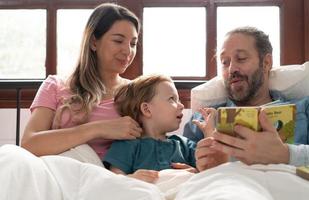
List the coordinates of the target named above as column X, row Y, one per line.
column 76, row 111
column 80, row 110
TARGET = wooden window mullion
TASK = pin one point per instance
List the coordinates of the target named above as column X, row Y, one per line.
column 51, row 40
column 211, row 34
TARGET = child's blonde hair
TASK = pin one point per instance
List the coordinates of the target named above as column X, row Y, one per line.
column 129, row 98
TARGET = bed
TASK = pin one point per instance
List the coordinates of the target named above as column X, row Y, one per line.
column 79, row 174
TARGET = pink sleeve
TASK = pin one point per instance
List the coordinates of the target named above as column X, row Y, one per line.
column 47, row 94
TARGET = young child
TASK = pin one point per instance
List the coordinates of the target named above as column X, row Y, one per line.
column 154, row 103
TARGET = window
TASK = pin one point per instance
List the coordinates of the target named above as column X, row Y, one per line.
column 38, row 37
column 174, row 41
column 22, row 43
column 69, row 37
column 179, row 37
column 229, row 18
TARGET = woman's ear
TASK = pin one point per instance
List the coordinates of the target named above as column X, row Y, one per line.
column 93, row 43
column 145, row 109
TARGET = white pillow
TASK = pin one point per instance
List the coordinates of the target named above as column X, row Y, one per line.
column 291, row 80
column 83, row 153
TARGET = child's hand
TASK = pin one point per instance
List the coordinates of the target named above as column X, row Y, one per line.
column 209, row 123
column 149, row 176
column 184, row 166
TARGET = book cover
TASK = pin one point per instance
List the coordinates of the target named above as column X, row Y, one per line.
column 303, row 172
column 281, row 115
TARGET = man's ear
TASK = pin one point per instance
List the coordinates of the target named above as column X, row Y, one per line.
column 145, row 109
column 267, row 62
column 93, row 43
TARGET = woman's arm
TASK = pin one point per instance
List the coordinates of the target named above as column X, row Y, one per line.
column 40, row 140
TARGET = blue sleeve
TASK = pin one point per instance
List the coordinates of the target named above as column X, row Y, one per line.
column 121, row 155
column 191, row 131
column 192, row 147
column 302, row 121
column 187, row 149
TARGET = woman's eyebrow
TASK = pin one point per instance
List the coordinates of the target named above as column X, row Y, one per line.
column 121, row 35
column 118, row 34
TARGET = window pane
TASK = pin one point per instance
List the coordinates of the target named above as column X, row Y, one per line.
column 22, row 43
column 69, row 36
column 232, row 17
column 174, row 41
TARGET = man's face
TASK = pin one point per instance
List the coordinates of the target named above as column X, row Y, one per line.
column 241, row 69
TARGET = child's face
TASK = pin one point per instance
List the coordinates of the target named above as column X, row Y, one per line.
column 165, row 108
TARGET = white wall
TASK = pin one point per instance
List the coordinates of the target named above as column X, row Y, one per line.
column 8, row 124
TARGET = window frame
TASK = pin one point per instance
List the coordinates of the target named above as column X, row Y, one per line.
column 292, row 51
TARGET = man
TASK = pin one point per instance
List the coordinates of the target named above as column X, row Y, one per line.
column 246, row 60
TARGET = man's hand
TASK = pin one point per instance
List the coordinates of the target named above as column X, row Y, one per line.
column 206, row 156
column 254, row 147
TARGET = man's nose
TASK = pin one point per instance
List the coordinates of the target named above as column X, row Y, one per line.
column 233, row 67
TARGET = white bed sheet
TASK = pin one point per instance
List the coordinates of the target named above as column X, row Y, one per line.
column 25, row 176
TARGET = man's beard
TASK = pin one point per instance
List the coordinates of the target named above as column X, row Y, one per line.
column 244, row 94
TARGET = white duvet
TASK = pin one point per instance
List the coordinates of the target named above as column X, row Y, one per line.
column 24, row 176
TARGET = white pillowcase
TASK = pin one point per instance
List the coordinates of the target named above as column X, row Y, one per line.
column 291, row 80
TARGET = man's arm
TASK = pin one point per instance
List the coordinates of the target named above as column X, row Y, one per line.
column 299, row 154
column 253, row 147
column 301, row 135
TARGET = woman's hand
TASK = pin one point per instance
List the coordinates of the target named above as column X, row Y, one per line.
column 208, row 157
column 254, row 147
column 184, row 166
column 149, row 176
column 119, row 128
column 208, row 125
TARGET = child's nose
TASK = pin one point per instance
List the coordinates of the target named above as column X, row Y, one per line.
column 181, row 105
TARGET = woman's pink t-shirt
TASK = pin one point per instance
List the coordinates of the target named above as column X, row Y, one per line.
column 51, row 95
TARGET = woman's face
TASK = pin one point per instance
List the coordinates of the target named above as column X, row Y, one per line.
column 116, row 49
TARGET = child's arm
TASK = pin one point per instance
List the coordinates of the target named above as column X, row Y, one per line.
column 116, row 170
column 208, row 125
column 149, row 176
column 184, row 166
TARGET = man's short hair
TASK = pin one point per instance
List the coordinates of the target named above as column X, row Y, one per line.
column 262, row 42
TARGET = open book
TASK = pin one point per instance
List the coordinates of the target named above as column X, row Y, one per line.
column 281, row 115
